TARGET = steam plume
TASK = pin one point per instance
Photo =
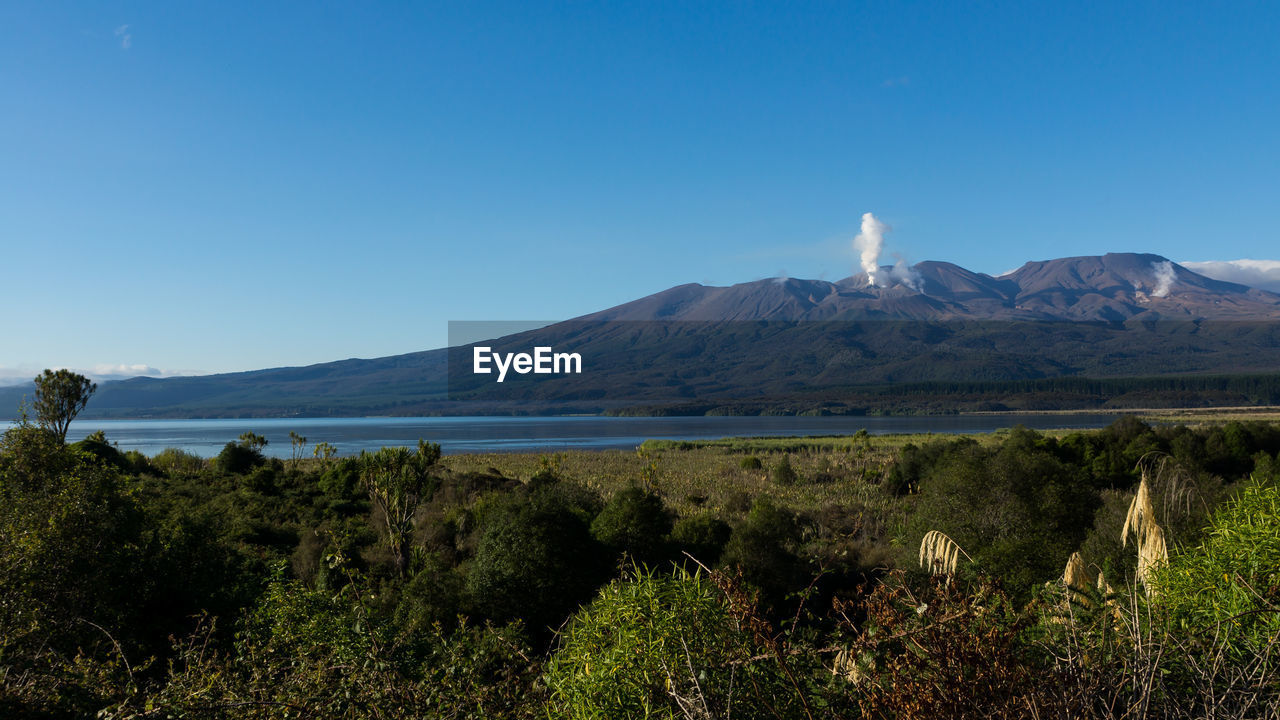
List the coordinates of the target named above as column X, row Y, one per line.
column 1165, row 277
column 904, row 274
column 869, row 243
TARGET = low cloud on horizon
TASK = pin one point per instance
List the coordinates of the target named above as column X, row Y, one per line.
column 1261, row 274
column 98, row 373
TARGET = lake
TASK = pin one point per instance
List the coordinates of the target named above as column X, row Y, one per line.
column 534, row 434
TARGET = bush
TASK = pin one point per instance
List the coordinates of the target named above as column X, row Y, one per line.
column 1018, row 511
column 783, row 473
column 173, row 462
column 750, row 462
column 652, row 646
column 1230, row 583
column 536, row 560
column 763, row 547
column 342, row 481
column 702, row 536
column 943, row 652
column 635, row 522
column 237, row 459
column 96, row 445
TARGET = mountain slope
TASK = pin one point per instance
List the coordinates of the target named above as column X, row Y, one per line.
column 1115, row 315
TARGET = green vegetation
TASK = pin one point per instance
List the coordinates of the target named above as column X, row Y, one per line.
column 60, row 396
column 676, row 582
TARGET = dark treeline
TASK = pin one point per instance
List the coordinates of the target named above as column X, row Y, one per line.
column 389, row 585
column 950, row 396
column 1263, row 389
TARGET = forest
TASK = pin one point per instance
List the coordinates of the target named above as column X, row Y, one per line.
column 1129, row 572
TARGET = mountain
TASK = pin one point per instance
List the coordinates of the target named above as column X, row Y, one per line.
column 1109, row 288
column 1120, row 315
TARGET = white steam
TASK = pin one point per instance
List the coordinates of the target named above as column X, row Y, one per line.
column 904, row 274
column 1165, row 277
column 869, row 243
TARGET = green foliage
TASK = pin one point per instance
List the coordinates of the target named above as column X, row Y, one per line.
column 432, row 597
column 750, row 462
column 656, row 646
column 783, row 473
column 763, row 547
column 88, row 572
column 237, row 458
column 916, row 462
column 1018, row 510
column 325, row 452
column 308, row 653
column 253, row 441
column 702, row 536
column 397, row 480
column 96, row 445
column 1230, row 582
column 60, row 396
column 347, row 636
column 341, row 481
column 297, row 444
column 635, row 522
column 535, row 560
column 172, row 461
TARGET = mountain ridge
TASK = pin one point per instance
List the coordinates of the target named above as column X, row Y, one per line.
column 937, row 321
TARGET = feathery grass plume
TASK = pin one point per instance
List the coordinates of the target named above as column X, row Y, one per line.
column 1104, row 587
column 1148, row 536
column 1152, row 553
column 1141, row 513
column 939, row 553
column 1078, row 579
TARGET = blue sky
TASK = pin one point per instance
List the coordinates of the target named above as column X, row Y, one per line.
column 212, row 186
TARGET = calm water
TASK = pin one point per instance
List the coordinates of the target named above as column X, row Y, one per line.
column 525, row 434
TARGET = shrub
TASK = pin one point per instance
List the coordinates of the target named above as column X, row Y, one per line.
column 655, row 646
column 341, row 482
column 1230, row 583
column 1018, row 510
column 783, row 473
column 635, row 522
column 944, row 652
column 172, row 462
column 237, row 459
column 750, row 462
column 96, row 445
column 702, row 536
column 763, row 548
column 536, row 560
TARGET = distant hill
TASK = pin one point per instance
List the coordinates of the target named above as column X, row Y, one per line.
column 797, row 345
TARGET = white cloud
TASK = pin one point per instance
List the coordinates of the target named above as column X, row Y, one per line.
column 17, row 375
column 126, row 37
column 101, row 370
column 1263, row 274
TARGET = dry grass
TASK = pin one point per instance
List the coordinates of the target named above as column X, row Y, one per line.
column 711, row 478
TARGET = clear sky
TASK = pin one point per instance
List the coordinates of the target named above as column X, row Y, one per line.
column 211, row 186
